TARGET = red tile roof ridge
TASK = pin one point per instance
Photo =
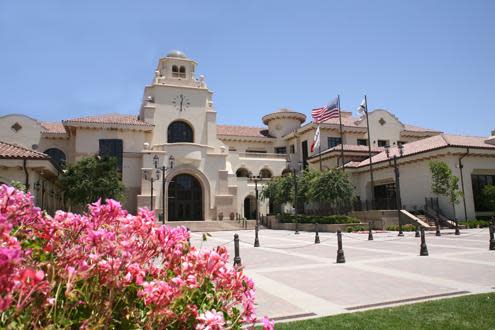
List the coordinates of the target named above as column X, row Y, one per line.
column 110, row 118
column 12, row 150
column 53, row 127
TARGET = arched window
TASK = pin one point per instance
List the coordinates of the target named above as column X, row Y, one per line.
column 182, row 72
column 57, row 155
column 285, row 172
column 175, row 71
column 265, row 173
column 179, row 131
column 242, row 173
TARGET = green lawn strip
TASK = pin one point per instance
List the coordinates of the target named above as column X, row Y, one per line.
column 467, row 312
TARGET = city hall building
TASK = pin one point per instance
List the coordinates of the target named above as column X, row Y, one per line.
column 213, row 164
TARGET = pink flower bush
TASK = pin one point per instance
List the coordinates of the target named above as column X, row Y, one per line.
column 107, row 268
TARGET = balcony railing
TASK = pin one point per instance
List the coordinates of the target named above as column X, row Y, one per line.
column 261, row 155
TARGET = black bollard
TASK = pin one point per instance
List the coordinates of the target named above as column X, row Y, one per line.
column 492, row 238
column 256, row 239
column 189, row 236
column 457, row 232
column 424, row 249
column 437, row 225
column 317, row 236
column 297, row 228
column 340, row 251
column 237, row 257
column 370, row 232
column 417, row 232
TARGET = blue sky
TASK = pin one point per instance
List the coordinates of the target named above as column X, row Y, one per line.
column 432, row 63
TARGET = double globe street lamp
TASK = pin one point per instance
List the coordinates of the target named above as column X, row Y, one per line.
column 153, row 175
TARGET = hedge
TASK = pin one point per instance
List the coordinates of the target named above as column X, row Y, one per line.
column 475, row 223
column 406, row 227
column 321, row 219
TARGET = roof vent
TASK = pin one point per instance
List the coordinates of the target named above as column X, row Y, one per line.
column 16, row 127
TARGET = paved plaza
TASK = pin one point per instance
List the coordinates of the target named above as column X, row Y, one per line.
column 296, row 278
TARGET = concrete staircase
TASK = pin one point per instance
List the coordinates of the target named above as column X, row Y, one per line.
column 212, row 226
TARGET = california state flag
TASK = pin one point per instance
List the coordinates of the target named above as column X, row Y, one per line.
column 316, row 140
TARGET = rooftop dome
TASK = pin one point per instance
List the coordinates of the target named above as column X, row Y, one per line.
column 177, row 54
column 284, row 113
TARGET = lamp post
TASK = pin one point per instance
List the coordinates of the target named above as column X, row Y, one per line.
column 256, row 178
column 164, row 169
column 397, row 182
column 148, row 176
column 294, row 170
column 364, row 110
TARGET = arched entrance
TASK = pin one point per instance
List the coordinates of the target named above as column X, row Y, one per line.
column 250, row 207
column 185, row 198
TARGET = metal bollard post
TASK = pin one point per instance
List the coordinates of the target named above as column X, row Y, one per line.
column 297, row 228
column 417, row 232
column 340, row 251
column 492, row 238
column 189, row 236
column 256, row 239
column 370, row 232
column 317, row 236
column 437, row 225
column 457, row 232
column 424, row 249
column 237, row 257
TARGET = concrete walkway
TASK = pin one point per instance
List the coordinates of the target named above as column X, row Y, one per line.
column 295, row 278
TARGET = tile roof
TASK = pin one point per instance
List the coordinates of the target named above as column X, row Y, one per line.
column 14, row 151
column 112, row 118
column 431, row 143
column 413, row 128
column 351, row 147
column 53, row 127
column 351, row 121
column 245, row 131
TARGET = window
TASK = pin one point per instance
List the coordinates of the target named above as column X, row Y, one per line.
column 179, row 131
column 333, row 142
column 242, row 173
column 281, row 150
column 292, row 149
column 362, row 142
column 304, row 148
column 182, row 72
column 112, row 148
column 232, row 149
column 175, row 71
column 383, row 143
column 265, row 173
column 257, row 151
column 57, row 155
column 478, row 183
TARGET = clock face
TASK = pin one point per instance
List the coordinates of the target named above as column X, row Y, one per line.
column 181, row 102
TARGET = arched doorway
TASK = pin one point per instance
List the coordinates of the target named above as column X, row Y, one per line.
column 250, row 207
column 185, row 198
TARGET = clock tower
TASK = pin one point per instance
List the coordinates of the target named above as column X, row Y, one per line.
column 180, row 107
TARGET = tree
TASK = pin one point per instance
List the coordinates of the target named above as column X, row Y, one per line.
column 90, row 179
column 332, row 187
column 278, row 190
column 444, row 182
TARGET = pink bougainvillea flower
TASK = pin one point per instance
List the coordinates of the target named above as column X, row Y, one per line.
column 210, row 320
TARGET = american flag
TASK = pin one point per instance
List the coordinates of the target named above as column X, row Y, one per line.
column 324, row 113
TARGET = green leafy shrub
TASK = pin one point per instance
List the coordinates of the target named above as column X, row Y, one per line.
column 406, row 227
column 475, row 223
column 326, row 219
column 351, row 229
